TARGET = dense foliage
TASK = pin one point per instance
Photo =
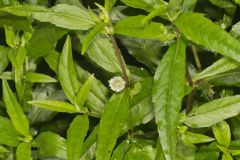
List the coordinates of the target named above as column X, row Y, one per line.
column 119, row 80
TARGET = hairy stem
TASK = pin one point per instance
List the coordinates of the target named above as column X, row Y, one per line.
column 119, row 57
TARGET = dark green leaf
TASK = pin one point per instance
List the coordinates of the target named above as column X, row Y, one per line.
column 213, row 112
column 204, row 32
column 168, row 91
column 75, row 137
column 115, row 114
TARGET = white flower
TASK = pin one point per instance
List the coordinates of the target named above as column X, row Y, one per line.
column 117, row 84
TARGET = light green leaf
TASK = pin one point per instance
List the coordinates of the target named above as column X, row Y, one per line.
column 15, row 111
column 43, row 39
column 89, row 146
column 75, row 137
column 83, row 94
column 213, row 112
column 134, row 27
column 121, row 150
column 9, row 135
column 54, row 105
column 144, row 153
column 24, row 151
column 39, row 78
column 51, row 145
column 218, row 67
column 109, row 4
column 115, row 114
column 91, row 35
column 3, row 150
column 61, row 15
column 3, row 58
column 227, row 156
column 194, row 138
column 168, row 91
column 67, row 73
column 222, row 134
column 147, row 5
column 204, row 32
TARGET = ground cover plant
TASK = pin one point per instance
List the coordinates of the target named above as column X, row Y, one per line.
column 119, row 80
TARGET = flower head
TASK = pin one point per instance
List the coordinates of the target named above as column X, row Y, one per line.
column 117, row 84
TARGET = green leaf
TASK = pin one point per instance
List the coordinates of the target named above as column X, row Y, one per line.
column 39, row 78
column 15, row 111
column 218, row 67
column 3, row 150
column 194, row 138
column 3, row 58
column 43, row 39
column 89, row 146
column 83, row 94
column 204, row 32
column 67, row 73
column 121, row 150
column 24, row 151
column 109, row 4
column 227, row 156
column 20, row 23
column 213, row 112
column 9, row 135
column 147, row 5
column 91, row 35
column 51, row 145
column 168, row 91
column 207, row 152
column 222, row 134
column 143, row 153
column 61, row 15
column 134, row 27
column 115, row 114
column 140, row 106
column 102, row 53
column 75, row 137
column 53, row 105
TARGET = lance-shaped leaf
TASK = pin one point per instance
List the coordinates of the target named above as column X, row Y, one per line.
column 91, row 35
column 75, row 137
column 3, row 150
column 147, row 5
column 115, row 114
column 54, row 105
column 82, row 95
column 222, row 65
column 109, row 4
column 61, row 15
column 38, row 77
column 24, row 151
column 204, row 32
column 213, row 112
column 3, row 58
column 15, row 111
column 9, row 135
column 168, row 91
column 134, row 27
column 67, row 73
